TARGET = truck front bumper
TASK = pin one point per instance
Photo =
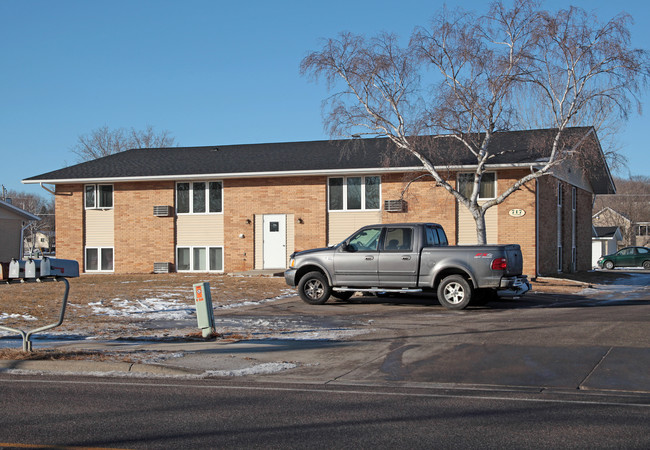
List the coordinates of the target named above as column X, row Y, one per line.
column 514, row 285
column 290, row 277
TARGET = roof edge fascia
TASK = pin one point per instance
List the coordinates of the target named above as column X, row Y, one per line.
column 281, row 174
column 21, row 212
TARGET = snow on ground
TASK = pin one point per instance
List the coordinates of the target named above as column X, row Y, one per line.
column 5, row 316
column 258, row 369
column 169, row 307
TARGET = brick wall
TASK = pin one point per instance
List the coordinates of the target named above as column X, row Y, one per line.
column 69, row 222
column 141, row 238
column 426, row 202
column 548, row 227
column 305, row 197
column 518, row 230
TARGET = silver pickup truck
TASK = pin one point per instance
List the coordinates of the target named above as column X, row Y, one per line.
column 407, row 257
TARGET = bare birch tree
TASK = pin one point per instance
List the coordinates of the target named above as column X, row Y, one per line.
column 104, row 141
column 464, row 77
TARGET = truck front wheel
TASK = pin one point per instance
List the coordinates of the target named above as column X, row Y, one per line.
column 314, row 288
column 454, row 292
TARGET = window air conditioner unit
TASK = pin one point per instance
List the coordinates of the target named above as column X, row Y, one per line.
column 162, row 211
column 161, row 267
column 395, row 205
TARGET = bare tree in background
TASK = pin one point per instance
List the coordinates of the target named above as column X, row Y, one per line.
column 632, row 200
column 39, row 206
column 468, row 76
column 104, row 141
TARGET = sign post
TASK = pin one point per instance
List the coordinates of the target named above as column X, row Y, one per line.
column 204, row 312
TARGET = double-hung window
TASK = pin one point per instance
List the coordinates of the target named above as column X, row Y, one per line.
column 98, row 196
column 199, row 259
column 199, row 197
column 99, row 259
column 487, row 190
column 354, row 193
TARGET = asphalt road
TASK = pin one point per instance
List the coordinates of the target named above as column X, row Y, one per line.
column 542, row 371
column 100, row 413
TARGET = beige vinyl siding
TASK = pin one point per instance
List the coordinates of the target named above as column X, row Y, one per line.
column 100, row 227
column 467, row 226
column 200, row 230
column 259, row 239
column 9, row 238
column 291, row 233
column 343, row 224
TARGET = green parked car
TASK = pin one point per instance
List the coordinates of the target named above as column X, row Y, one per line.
column 627, row 257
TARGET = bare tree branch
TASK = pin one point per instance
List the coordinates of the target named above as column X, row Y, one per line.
column 104, row 141
column 469, row 76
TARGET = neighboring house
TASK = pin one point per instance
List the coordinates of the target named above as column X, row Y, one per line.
column 633, row 233
column 604, row 242
column 243, row 207
column 13, row 222
column 43, row 242
column 642, row 236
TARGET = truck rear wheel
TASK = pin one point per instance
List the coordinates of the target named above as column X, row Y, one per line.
column 314, row 288
column 454, row 292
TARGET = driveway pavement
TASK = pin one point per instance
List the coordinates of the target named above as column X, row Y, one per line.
column 595, row 341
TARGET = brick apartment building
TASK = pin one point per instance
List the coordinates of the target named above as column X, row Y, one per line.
column 244, row 207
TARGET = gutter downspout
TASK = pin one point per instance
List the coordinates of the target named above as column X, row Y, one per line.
column 22, row 241
column 537, row 228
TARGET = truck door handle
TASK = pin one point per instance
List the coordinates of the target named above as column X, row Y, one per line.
column 406, row 258
column 369, row 258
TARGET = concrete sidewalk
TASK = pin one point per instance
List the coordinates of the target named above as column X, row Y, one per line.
column 374, row 361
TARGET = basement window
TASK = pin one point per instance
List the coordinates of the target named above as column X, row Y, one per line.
column 199, row 259
column 99, row 259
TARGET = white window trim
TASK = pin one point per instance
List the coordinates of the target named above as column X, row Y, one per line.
column 496, row 194
column 345, row 194
column 99, row 260
column 191, row 194
column 96, row 189
column 207, row 256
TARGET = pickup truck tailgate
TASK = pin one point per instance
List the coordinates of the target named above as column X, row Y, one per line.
column 515, row 260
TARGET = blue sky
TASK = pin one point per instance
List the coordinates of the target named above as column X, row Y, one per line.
column 210, row 72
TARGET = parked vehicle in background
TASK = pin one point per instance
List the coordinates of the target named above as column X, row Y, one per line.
column 627, row 257
column 408, row 257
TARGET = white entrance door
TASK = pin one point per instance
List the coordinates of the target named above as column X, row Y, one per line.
column 275, row 241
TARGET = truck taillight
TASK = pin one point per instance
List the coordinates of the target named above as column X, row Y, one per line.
column 499, row 264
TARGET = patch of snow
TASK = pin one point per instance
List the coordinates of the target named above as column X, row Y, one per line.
column 259, row 369
column 287, row 293
column 5, row 316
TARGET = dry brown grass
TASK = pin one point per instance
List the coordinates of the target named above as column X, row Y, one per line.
column 43, row 300
column 67, row 355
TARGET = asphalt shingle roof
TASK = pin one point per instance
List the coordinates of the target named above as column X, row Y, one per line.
column 513, row 147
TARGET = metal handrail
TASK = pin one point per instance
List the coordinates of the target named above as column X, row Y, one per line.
column 27, row 343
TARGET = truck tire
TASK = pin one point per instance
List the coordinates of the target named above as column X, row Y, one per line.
column 314, row 288
column 454, row 292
